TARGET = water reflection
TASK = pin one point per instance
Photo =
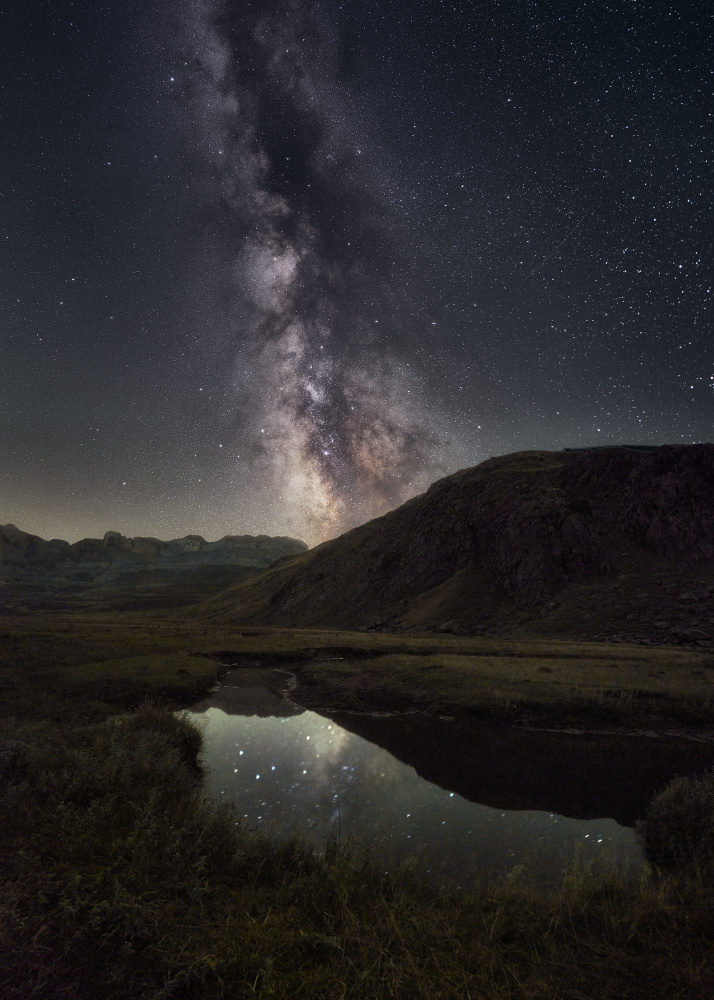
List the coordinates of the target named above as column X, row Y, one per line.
column 585, row 775
column 303, row 773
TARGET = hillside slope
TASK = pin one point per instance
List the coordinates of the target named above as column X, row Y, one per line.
column 591, row 545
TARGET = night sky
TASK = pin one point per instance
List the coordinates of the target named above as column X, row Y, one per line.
column 275, row 267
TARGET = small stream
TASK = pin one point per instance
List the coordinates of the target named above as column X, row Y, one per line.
column 290, row 771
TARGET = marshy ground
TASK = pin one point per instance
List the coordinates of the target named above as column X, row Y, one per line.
column 121, row 880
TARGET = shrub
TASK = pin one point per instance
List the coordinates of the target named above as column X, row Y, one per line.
column 679, row 828
column 175, row 727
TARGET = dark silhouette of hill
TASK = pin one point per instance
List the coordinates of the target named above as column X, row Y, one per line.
column 608, row 543
column 119, row 573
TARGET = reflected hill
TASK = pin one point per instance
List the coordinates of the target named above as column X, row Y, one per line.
column 582, row 776
column 251, row 691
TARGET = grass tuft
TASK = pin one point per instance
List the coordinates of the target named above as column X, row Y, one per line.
column 678, row 832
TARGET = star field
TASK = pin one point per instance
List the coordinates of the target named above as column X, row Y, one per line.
column 275, row 267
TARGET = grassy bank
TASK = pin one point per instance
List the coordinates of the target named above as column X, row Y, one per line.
column 121, row 880
column 554, row 686
column 83, row 669
column 89, row 667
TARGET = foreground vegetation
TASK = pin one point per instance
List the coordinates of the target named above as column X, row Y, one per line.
column 119, row 879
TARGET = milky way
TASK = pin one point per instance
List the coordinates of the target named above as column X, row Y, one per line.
column 331, row 417
column 273, row 268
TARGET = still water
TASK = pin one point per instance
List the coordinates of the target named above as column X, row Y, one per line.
column 289, row 771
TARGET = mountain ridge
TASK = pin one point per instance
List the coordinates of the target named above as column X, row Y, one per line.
column 117, row 572
column 512, row 542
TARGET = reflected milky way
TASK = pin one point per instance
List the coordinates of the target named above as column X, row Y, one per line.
column 306, row 775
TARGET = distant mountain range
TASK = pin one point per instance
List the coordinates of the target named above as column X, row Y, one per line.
column 602, row 544
column 119, row 573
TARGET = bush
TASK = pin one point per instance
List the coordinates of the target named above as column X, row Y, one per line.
column 175, row 727
column 679, row 827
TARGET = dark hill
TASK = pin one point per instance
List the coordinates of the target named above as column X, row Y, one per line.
column 606, row 543
column 120, row 573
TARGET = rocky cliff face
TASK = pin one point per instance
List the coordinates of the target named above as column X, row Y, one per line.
column 116, row 571
column 568, row 538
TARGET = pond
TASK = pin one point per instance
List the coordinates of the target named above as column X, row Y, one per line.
column 290, row 771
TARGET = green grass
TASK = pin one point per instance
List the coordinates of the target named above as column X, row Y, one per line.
column 679, row 829
column 120, row 880
column 93, row 666
column 85, row 670
column 550, row 686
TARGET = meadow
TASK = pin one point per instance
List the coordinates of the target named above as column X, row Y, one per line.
column 120, row 879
